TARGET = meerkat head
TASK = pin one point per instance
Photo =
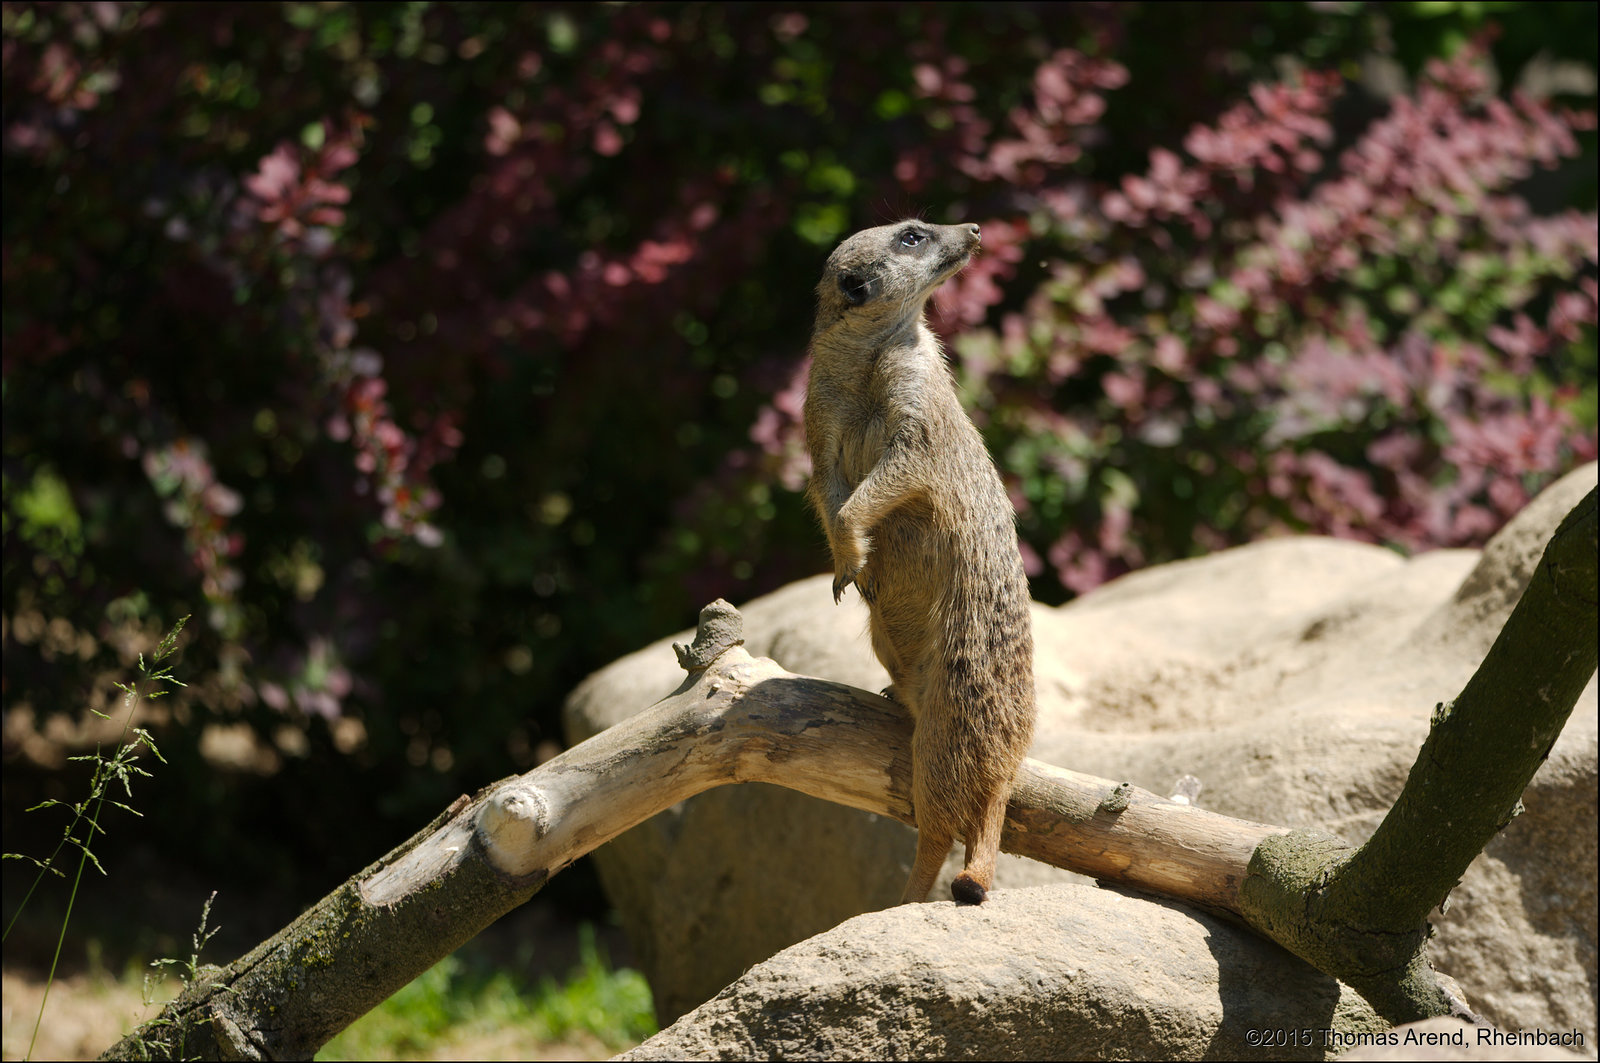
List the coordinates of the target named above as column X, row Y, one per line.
column 879, row 279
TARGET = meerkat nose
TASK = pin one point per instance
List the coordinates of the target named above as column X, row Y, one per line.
column 973, row 229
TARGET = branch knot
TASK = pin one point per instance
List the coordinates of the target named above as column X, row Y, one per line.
column 721, row 629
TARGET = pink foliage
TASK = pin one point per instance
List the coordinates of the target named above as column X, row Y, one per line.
column 297, row 190
column 201, row 506
column 1230, row 286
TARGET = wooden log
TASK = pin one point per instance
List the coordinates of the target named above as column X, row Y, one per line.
column 738, row 719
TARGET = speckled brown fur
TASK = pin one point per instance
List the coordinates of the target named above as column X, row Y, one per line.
column 918, row 520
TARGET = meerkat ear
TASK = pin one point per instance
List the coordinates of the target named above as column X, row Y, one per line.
column 857, row 288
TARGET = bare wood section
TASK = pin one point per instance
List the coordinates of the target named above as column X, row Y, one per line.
column 743, row 719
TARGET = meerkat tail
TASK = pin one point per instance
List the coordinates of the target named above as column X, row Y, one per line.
column 983, row 849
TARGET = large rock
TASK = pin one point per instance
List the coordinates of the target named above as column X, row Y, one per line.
column 1117, row 977
column 1295, row 677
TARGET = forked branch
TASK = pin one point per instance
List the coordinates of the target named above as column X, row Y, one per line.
column 1362, row 915
column 737, row 719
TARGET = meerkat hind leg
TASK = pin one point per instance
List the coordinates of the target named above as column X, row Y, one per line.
column 983, row 848
column 932, row 848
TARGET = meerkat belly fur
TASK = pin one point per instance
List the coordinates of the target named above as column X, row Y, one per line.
column 917, row 518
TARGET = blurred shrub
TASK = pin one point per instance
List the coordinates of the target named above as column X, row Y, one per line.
column 438, row 354
column 1252, row 337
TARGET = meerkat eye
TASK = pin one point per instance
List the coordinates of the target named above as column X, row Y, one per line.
column 911, row 238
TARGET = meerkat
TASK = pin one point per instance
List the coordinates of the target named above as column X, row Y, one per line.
column 917, row 518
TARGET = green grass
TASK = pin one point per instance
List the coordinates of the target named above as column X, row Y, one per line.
column 451, row 1001
column 84, row 823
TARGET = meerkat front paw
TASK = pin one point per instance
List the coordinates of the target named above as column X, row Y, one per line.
column 865, row 585
column 849, row 559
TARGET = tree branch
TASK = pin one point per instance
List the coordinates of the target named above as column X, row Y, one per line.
column 1362, row 915
column 734, row 719
column 738, row 719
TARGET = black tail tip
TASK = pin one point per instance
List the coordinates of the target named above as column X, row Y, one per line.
column 967, row 890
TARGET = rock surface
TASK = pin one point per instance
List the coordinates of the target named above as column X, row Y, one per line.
column 1295, row 677
column 1117, row 977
